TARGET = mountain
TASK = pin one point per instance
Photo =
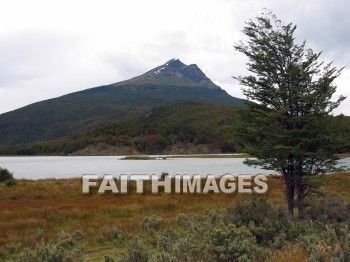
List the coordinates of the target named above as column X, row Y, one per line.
column 171, row 83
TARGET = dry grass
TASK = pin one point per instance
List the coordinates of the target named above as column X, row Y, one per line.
column 58, row 205
column 344, row 154
column 290, row 253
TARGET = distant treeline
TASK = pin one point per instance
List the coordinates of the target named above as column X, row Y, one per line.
column 191, row 123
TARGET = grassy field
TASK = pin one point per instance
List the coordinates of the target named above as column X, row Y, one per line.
column 38, row 211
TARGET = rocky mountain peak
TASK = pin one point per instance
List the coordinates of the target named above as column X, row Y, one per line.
column 175, row 68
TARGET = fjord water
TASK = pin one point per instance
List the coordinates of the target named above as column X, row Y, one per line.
column 40, row 167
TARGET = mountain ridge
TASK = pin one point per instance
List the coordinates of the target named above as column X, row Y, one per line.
column 171, row 83
column 191, row 75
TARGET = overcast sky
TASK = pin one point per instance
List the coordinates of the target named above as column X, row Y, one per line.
column 51, row 48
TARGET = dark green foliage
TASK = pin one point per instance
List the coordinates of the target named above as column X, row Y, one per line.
column 169, row 125
column 290, row 128
column 229, row 243
column 343, row 123
column 5, row 174
column 10, row 182
column 7, row 177
column 164, row 175
column 161, row 128
column 263, row 219
column 180, row 124
column 151, row 143
column 109, row 259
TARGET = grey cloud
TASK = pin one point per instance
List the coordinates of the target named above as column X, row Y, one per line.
column 32, row 54
column 324, row 24
column 27, row 55
column 129, row 62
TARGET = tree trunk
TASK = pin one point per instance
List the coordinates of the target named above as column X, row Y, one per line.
column 300, row 195
column 290, row 189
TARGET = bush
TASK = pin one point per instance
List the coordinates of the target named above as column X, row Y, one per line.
column 196, row 223
column 229, row 243
column 11, row 248
column 327, row 208
column 164, row 175
column 328, row 245
column 136, row 252
column 51, row 252
column 5, row 174
column 109, row 259
column 10, row 182
column 161, row 256
column 166, row 239
column 263, row 219
column 152, row 223
column 193, row 247
column 78, row 235
column 112, row 233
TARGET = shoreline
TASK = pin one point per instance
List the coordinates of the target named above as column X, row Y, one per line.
column 154, row 156
column 220, row 155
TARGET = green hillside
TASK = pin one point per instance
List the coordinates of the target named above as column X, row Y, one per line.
column 173, row 82
column 154, row 132
column 202, row 128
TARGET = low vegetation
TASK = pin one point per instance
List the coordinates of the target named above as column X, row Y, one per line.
column 137, row 158
column 50, row 220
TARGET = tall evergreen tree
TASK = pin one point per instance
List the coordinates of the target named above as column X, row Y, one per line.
column 288, row 127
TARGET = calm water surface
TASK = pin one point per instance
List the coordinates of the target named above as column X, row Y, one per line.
column 69, row 166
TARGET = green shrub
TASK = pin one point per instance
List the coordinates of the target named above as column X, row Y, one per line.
column 78, row 235
column 109, row 259
column 196, row 223
column 9, row 182
column 136, row 252
column 64, row 250
column 65, row 240
column 11, row 248
column 5, row 174
column 162, row 256
column 152, row 223
column 192, row 247
column 51, row 252
column 330, row 244
column 164, row 175
column 328, row 208
column 229, row 243
column 166, row 239
column 264, row 220
column 112, row 233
